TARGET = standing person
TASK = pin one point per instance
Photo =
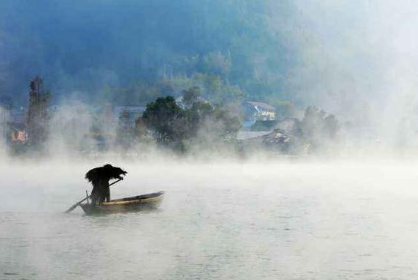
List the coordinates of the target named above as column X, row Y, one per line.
column 99, row 177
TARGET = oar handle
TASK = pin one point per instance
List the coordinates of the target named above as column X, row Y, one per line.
column 115, row 182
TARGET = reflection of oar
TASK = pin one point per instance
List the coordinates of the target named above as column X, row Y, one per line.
column 81, row 201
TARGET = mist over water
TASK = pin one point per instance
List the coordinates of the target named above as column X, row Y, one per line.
column 249, row 220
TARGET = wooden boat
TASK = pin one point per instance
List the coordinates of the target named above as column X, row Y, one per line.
column 129, row 204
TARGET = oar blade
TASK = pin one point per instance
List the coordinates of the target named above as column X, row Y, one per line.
column 72, row 208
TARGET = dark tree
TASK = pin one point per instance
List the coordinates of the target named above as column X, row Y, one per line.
column 191, row 96
column 319, row 128
column 166, row 120
column 213, row 120
column 229, row 125
column 172, row 125
column 37, row 120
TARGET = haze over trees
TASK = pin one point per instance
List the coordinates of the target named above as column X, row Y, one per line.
column 134, row 51
column 212, row 54
column 174, row 126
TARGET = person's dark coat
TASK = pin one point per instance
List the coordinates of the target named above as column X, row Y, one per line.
column 99, row 177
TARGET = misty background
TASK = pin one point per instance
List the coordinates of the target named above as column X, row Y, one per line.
column 88, row 46
column 355, row 59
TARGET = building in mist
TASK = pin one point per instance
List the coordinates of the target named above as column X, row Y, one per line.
column 17, row 133
column 13, row 126
column 258, row 116
column 258, row 111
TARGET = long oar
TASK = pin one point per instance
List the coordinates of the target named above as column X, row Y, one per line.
column 81, row 201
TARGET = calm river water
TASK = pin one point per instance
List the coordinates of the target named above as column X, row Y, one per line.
column 335, row 220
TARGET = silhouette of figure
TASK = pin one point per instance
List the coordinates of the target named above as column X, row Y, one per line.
column 99, row 177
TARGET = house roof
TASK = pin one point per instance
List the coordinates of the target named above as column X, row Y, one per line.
column 262, row 105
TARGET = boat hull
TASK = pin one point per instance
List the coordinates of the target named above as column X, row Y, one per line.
column 130, row 204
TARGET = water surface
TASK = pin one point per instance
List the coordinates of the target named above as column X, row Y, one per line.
column 336, row 220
